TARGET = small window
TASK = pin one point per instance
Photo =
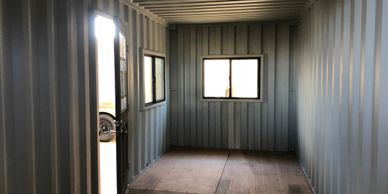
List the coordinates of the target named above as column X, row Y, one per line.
column 232, row 78
column 154, row 79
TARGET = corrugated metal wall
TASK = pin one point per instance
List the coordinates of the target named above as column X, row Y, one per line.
column 148, row 134
column 342, row 107
column 45, row 100
column 233, row 125
column 48, row 115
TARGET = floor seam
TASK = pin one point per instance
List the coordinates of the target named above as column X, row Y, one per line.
column 222, row 173
column 163, row 191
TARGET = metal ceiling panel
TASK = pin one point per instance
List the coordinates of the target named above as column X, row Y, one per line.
column 206, row 11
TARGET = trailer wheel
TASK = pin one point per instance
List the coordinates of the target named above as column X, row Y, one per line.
column 107, row 128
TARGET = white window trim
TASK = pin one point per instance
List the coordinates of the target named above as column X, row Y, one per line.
column 143, row 106
column 261, row 61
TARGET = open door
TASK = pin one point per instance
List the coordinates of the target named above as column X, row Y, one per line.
column 121, row 77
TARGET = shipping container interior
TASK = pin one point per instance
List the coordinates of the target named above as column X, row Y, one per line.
column 193, row 96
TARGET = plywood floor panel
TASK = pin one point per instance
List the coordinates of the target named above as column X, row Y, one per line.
column 181, row 170
column 200, row 171
column 144, row 191
column 262, row 172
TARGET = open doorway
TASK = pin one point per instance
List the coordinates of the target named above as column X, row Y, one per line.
column 105, row 31
column 112, row 67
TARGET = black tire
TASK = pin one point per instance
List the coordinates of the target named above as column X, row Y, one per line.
column 106, row 128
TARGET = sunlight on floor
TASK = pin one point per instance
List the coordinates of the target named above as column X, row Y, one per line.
column 108, row 167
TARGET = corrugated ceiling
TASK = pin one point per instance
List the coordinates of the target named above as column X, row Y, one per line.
column 206, row 11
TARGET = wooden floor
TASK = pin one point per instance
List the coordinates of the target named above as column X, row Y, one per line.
column 221, row 171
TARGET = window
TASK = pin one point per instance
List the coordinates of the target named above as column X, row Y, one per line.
column 154, row 79
column 231, row 78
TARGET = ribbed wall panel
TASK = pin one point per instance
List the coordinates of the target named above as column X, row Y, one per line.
column 48, row 108
column 148, row 129
column 3, row 148
column 341, row 77
column 45, row 97
column 231, row 125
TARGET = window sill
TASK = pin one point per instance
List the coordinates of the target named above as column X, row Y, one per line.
column 230, row 100
column 152, row 106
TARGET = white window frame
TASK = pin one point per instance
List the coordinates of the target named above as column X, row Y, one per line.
column 229, row 57
column 143, row 105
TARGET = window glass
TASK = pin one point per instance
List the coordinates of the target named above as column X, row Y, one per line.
column 154, row 79
column 159, row 78
column 216, row 78
column 123, row 73
column 233, row 78
column 123, row 49
column 147, row 74
column 245, row 78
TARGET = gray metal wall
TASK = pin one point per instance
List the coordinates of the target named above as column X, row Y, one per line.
column 48, row 109
column 148, row 133
column 232, row 125
column 45, row 104
column 342, row 107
